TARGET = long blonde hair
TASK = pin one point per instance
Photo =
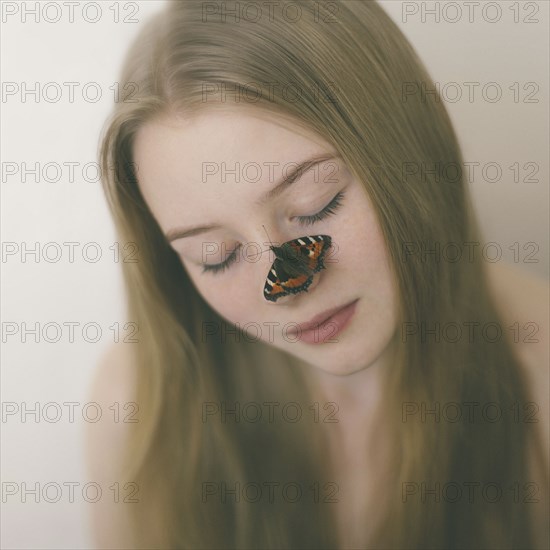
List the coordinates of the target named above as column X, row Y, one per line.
column 349, row 66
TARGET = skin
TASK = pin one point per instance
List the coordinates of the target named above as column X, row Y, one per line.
column 170, row 153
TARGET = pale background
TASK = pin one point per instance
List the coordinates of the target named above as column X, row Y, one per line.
column 504, row 132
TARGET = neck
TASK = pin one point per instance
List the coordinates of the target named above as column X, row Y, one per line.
column 358, row 396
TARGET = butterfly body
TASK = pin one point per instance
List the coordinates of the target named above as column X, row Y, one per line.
column 296, row 263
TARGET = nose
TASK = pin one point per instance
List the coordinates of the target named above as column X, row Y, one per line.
column 294, row 264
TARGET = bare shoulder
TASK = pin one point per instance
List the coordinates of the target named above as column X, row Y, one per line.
column 524, row 299
column 113, row 389
column 115, row 373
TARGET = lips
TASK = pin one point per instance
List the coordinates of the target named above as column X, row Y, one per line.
column 318, row 319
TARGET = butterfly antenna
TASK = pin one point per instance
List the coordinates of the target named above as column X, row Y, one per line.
column 268, row 238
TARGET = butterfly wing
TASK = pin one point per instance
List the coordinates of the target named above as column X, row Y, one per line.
column 314, row 248
column 280, row 283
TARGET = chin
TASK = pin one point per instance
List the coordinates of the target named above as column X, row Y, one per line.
column 339, row 367
column 347, row 356
column 335, row 358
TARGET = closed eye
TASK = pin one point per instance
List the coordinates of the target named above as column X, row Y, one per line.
column 219, row 268
column 328, row 210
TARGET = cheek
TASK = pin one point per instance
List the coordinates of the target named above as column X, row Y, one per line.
column 361, row 247
column 224, row 294
column 363, row 257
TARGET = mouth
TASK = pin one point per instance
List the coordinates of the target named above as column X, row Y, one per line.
column 327, row 325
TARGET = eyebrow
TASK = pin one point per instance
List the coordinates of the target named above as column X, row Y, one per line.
column 293, row 176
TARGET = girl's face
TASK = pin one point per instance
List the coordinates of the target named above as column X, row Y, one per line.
column 209, row 181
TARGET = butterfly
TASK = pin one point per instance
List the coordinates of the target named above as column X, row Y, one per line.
column 296, row 263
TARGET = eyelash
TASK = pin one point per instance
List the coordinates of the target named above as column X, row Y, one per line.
column 328, row 210
column 218, row 268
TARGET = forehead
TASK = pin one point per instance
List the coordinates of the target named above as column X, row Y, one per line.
column 204, row 157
